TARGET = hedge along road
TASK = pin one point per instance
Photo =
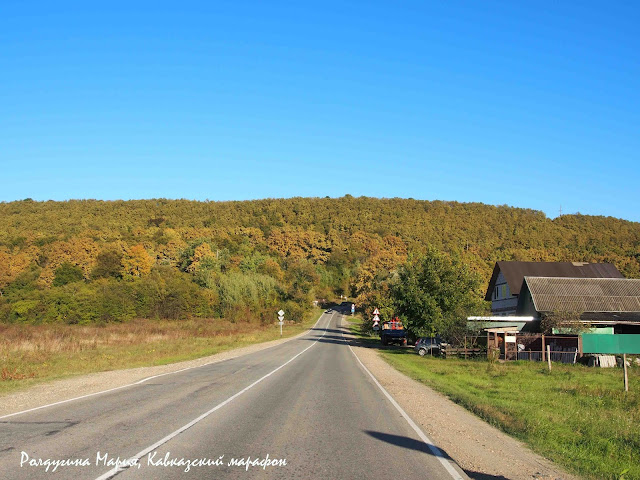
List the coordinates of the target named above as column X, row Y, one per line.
column 304, row 409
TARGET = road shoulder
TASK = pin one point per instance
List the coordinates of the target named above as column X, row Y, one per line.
column 483, row 451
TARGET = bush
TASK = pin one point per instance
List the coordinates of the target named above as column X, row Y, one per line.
column 254, row 290
column 169, row 293
column 295, row 312
column 24, row 311
column 71, row 304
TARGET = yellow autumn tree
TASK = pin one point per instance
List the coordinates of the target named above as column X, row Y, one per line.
column 13, row 264
column 136, row 261
column 80, row 251
column 299, row 244
column 201, row 253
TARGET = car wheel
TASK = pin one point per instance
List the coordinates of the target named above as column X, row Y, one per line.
column 422, row 352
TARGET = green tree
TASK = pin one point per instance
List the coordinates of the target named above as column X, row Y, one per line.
column 67, row 273
column 434, row 293
column 108, row 264
column 301, row 277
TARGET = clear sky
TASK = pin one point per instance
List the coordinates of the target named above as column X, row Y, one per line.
column 531, row 104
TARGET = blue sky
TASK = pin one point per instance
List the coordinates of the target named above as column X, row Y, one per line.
column 531, row 104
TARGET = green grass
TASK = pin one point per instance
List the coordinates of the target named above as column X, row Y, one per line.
column 366, row 338
column 578, row 417
column 31, row 354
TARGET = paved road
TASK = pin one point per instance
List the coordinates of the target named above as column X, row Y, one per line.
column 307, row 403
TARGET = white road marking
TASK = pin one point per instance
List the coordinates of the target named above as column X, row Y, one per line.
column 65, row 401
column 435, row 450
column 116, row 470
column 139, row 381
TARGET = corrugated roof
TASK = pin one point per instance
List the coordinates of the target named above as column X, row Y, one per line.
column 514, row 272
column 621, row 318
column 584, row 294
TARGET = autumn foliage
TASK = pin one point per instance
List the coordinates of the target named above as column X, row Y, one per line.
column 87, row 261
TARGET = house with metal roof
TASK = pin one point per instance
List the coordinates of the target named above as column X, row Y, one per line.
column 599, row 302
column 507, row 279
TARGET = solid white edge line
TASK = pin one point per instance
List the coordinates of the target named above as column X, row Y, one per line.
column 116, row 470
column 143, row 380
column 435, row 450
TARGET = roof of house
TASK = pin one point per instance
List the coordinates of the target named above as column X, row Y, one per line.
column 514, row 272
column 611, row 318
column 614, row 295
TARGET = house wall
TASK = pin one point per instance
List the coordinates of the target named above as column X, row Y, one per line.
column 525, row 303
column 502, row 302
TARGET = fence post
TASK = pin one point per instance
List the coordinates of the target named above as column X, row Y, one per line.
column 549, row 356
column 488, row 346
column 580, row 345
column 626, row 376
column 543, row 349
column 465, row 347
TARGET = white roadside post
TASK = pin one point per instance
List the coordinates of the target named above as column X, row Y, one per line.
column 281, row 320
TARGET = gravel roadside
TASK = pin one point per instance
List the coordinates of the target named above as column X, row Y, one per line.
column 481, row 450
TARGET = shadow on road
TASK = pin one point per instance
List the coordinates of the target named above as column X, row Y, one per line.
column 402, row 441
column 330, row 339
column 484, row 476
column 420, row 446
column 328, row 330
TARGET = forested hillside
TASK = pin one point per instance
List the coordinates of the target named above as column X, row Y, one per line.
column 86, row 261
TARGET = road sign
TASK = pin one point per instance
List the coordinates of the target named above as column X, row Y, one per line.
column 376, row 312
column 376, row 327
column 281, row 318
column 376, row 318
column 611, row 344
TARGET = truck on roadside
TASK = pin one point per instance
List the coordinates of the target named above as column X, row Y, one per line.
column 393, row 332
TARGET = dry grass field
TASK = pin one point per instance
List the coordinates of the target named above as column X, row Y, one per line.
column 35, row 353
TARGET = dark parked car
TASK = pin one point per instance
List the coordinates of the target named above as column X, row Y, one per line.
column 429, row 345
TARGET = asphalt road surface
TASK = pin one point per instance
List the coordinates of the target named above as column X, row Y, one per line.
column 303, row 409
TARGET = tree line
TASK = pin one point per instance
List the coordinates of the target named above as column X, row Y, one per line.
column 90, row 261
